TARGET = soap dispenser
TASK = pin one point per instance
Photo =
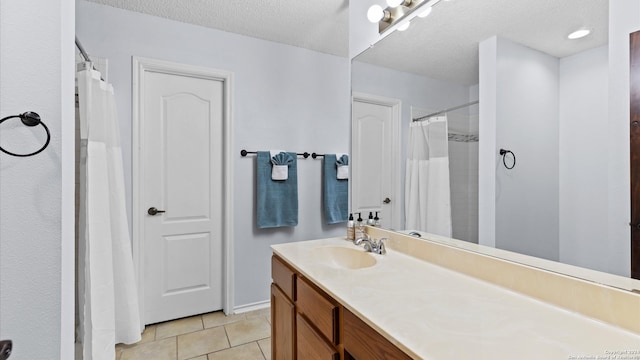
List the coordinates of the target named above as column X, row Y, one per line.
column 376, row 220
column 351, row 228
column 359, row 227
column 370, row 221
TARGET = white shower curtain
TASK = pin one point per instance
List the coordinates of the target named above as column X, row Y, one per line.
column 427, row 190
column 107, row 292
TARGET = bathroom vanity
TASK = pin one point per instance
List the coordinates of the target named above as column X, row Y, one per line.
column 428, row 300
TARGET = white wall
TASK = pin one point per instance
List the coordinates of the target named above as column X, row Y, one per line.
column 412, row 90
column 584, row 89
column 487, row 147
column 284, row 97
column 525, row 122
column 36, row 222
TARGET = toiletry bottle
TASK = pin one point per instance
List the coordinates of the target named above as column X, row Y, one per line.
column 359, row 227
column 376, row 220
column 351, row 230
column 370, row 221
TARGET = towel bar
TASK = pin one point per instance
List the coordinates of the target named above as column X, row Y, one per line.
column 316, row 155
column 244, row 153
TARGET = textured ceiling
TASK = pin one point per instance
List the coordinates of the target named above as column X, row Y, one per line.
column 442, row 46
column 321, row 25
column 445, row 44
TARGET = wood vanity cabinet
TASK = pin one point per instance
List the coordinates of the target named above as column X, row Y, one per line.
column 362, row 342
column 308, row 324
column 283, row 311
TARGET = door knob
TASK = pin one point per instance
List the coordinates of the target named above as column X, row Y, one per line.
column 5, row 349
column 386, row 200
column 153, row 211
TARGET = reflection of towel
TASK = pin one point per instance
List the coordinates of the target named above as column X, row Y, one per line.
column 277, row 201
column 343, row 167
column 281, row 162
column 336, row 192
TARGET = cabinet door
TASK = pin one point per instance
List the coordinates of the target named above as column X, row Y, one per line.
column 283, row 325
column 311, row 345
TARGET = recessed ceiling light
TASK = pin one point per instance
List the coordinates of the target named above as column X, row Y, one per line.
column 579, row 34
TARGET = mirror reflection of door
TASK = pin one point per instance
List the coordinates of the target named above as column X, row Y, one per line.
column 634, row 145
column 374, row 158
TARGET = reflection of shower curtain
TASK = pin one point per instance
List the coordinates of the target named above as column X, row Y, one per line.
column 427, row 194
column 108, row 299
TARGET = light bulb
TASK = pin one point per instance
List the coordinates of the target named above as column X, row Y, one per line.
column 394, row 3
column 579, row 34
column 404, row 26
column 426, row 12
column 375, row 13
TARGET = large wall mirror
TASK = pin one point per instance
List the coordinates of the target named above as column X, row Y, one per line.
column 511, row 79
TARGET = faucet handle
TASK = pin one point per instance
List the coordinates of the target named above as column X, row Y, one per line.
column 381, row 248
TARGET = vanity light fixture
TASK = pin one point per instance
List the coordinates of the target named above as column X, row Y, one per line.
column 376, row 14
column 399, row 10
column 396, row 3
column 404, row 26
column 579, row 34
column 426, row 12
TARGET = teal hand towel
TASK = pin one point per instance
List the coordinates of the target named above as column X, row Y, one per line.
column 336, row 191
column 277, row 201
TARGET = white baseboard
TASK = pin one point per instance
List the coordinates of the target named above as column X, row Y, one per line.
column 251, row 307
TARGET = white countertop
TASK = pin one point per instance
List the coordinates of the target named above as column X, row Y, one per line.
column 435, row 313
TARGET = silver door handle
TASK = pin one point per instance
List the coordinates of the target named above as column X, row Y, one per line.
column 153, row 211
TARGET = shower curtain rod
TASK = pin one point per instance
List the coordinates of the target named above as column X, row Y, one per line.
column 421, row 118
column 86, row 57
column 82, row 52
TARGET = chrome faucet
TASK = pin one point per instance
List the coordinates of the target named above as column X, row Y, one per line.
column 359, row 241
column 372, row 245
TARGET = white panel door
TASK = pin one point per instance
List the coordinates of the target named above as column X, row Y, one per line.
column 374, row 157
column 182, row 163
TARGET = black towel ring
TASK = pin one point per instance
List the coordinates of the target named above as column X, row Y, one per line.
column 30, row 119
column 504, row 153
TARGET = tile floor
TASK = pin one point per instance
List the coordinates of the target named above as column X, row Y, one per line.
column 212, row 336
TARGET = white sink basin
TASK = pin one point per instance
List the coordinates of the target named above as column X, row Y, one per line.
column 343, row 257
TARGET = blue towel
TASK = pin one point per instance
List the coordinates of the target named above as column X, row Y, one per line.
column 277, row 201
column 336, row 192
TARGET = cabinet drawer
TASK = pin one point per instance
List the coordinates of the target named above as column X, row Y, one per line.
column 312, row 346
column 284, row 277
column 363, row 342
column 316, row 306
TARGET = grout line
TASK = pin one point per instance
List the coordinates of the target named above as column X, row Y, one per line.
column 176, row 347
column 227, row 335
column 261, row 350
